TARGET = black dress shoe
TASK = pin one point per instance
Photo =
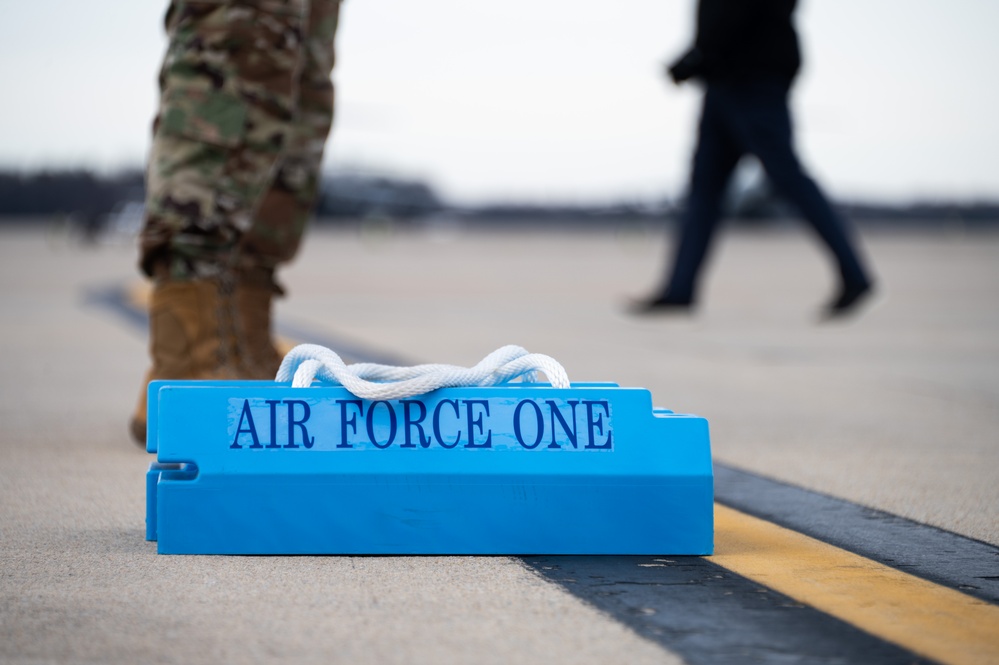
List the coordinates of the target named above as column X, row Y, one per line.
column 662, row 304
column 848, row 301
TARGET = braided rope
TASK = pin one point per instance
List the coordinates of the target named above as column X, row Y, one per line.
column 307, row 362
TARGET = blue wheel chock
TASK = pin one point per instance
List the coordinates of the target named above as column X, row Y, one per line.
column 258, row 467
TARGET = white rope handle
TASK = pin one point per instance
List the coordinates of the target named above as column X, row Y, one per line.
column 307, row 362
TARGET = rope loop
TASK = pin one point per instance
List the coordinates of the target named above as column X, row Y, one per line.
column 307, row 362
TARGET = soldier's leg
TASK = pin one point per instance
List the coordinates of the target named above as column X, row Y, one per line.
column 228, row 97
column 281, row 218
column 228, row 89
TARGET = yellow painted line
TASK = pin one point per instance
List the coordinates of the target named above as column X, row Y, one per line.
column 923, row 617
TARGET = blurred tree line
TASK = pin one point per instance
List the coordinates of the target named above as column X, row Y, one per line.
column 90, row 198
column 64, row 192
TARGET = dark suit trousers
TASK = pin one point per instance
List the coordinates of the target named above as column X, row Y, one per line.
column 750, row 118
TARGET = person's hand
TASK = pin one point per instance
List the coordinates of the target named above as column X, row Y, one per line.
column 687, row 67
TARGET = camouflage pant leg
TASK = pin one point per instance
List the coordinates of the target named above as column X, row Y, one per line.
column 229, row 88
column 281, row 218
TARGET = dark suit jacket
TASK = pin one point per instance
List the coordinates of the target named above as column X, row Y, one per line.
column 740, row 40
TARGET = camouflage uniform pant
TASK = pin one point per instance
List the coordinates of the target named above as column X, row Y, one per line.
column 245, row 108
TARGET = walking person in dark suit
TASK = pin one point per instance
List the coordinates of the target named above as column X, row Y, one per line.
column 746, row 52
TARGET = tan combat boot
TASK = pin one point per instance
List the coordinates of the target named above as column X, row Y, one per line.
column 253, row 300
column 190, row 337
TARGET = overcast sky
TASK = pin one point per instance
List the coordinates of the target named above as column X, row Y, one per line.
column 551, row 100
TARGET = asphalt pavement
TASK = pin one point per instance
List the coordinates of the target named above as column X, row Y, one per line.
column 892, row 414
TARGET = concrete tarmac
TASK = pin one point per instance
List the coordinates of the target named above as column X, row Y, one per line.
column 896, row 410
